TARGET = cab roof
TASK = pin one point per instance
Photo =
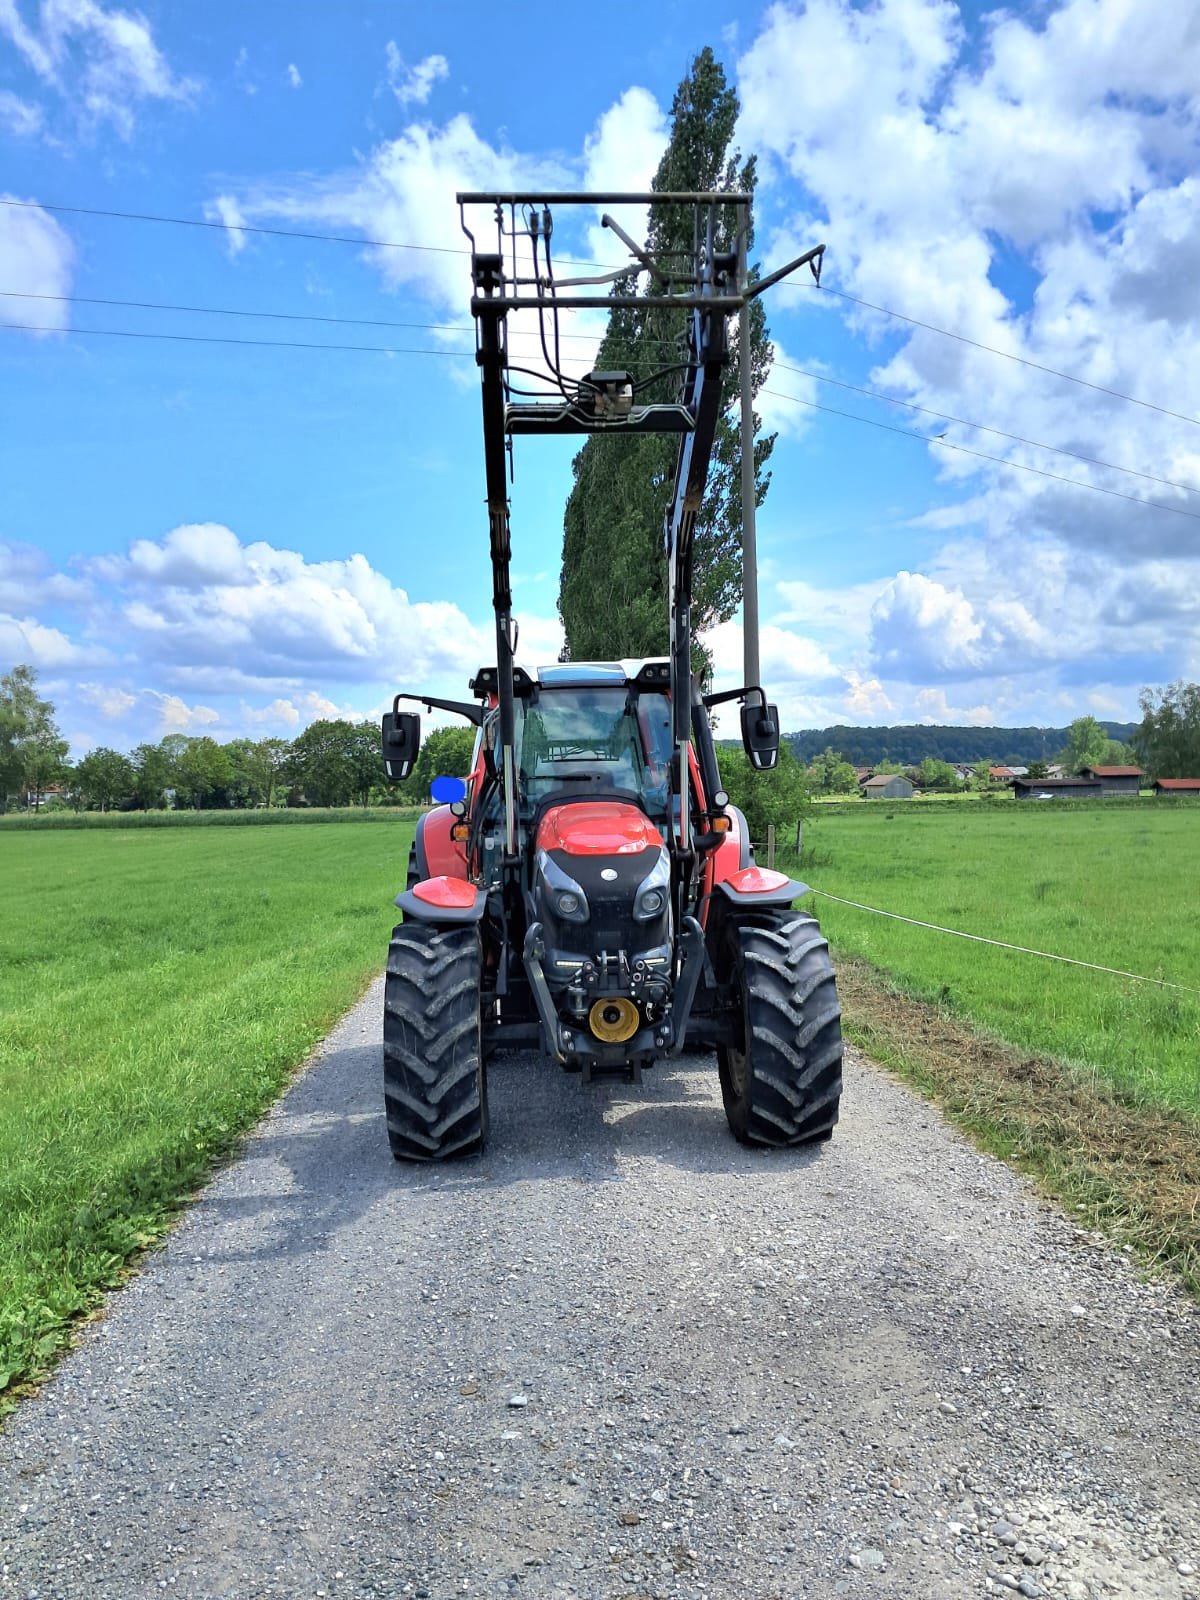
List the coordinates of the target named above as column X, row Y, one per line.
column 652, row 672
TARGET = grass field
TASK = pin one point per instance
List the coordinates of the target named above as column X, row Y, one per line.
column 156, row 989
column 1108, row 884
column 1089, row 1083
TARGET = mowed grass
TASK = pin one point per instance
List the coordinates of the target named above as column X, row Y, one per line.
column 156, row 991
column 1114, row 884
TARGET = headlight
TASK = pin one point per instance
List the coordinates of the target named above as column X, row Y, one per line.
column 651, row 898
column 566, row 898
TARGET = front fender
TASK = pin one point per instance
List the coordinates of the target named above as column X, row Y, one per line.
column 448, row 900
column 760, row 886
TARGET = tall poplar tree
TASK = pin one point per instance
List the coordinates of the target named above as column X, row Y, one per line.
column 613, row 587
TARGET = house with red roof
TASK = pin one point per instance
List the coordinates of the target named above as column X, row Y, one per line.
column 1116, row 780
column 1182, row 786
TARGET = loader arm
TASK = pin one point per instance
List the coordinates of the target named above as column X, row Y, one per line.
column 518, row 275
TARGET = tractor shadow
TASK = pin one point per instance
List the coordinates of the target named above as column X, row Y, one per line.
column 319, row 1162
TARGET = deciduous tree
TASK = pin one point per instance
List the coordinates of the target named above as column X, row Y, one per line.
column 1168, row 741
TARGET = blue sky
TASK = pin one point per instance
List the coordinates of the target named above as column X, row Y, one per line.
column 225, row 538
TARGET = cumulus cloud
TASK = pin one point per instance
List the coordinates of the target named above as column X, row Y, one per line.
column 293, row 75
column 403, row 190
column 102, row 59
column 26, row 639
column 414, row 85
column 202, row 596
column 176, row 716
column 28, row 578
column 36, row 258
column 108, row 699
column 1030, row 185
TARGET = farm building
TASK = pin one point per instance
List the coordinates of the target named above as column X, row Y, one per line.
column 1057, row 788
column 888, row 786
column 1116, row 780
column 1006, row 774
column 1184, row 786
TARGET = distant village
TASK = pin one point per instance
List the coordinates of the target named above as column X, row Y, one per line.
column 1041, row 781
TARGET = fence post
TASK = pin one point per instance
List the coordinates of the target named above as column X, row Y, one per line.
column 771, row 845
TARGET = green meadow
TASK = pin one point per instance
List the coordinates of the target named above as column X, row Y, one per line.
column 157, row 989
column 1114, row 883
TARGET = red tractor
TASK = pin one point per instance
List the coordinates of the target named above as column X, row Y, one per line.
column 589, row 889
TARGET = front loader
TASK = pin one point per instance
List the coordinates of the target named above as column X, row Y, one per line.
column 589, row 890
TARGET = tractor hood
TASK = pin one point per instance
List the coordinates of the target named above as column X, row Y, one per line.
column 597, row 828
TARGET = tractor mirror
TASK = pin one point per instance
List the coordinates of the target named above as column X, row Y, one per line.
column 401, row 742
column 760, row 736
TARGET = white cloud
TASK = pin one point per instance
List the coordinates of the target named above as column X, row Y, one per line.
column 791, row 417
column 202, row 597
column 279, row 714
column 102, row 59
column 36, row 258
column 176, row 716
column 27, row 578
column 19, row 116
column 1051, row 156
column 225, row 209
column 26, row 639
column 293, row 75
column 108, row 699
column 414, row 85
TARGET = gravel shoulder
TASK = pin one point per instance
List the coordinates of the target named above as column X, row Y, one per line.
column 618, row 1355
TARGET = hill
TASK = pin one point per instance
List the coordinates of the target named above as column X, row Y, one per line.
column 911, row 743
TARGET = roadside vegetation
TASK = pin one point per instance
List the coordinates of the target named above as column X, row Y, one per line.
column 1088, row 1081
column 155, row 995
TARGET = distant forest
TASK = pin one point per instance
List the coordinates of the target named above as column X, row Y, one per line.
column 911, row 744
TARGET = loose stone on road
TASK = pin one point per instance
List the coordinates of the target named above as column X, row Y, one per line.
column 619, row 1355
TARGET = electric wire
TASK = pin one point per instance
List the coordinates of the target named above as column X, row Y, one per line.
column 392, row 350
column 982, row 455
column 212, row 338
column 1000, row 944
column 394, row 244
column 530, row 333
column 983, row 427
column 1024, row 361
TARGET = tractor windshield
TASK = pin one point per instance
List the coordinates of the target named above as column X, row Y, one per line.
column 605, row 737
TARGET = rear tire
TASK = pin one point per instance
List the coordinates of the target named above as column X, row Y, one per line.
column 782, row 1082
column 434, row 1083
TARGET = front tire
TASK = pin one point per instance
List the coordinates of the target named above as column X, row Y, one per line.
column 781, row 1080
column 434, row 1083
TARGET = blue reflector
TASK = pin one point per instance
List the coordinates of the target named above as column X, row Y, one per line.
column 447, row 790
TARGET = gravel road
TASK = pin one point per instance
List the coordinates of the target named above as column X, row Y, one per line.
column 618, row 1356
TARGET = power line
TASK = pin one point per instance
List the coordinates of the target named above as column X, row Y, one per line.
column 1024, row 361
column 233, row 227
column 278, row 316
column 391, row 350
column 982, row 455
column 983, row 427
column 212, row 338
column 465, row 328
column 394, row 244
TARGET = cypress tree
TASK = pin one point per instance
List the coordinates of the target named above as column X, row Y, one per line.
column 613, row 586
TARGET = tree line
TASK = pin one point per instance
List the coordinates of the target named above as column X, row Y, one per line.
column 334, row 762
column 912, row 743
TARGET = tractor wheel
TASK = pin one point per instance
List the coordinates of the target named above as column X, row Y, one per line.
column 434, row 1083
column 782, row 1081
